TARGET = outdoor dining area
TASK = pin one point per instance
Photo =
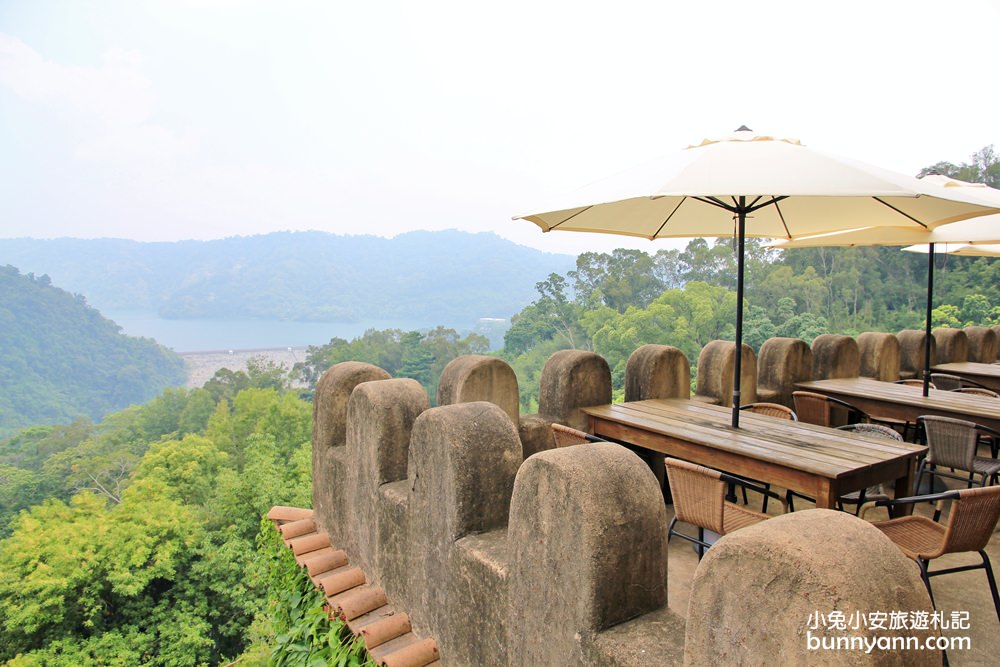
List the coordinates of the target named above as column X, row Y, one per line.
column 869, row 423
column 841, row 428
column 795, row 478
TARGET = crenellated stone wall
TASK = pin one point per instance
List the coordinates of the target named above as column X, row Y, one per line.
column 511, row 552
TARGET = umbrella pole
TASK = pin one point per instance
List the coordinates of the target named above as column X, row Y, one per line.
column 927, row 323
column 738, row 370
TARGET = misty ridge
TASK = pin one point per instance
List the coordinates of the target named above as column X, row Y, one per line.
column 445, row 276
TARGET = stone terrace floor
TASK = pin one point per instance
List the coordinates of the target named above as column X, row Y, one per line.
column 963, row 591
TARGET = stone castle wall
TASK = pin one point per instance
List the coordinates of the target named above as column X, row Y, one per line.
column 510, row 551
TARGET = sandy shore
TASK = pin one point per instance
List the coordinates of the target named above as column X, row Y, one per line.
column 201, row 366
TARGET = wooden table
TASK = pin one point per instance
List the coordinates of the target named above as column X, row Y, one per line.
column 987, row 375
column 900, row 401
column 812, row 460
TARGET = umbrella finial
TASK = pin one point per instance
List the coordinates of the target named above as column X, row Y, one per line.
column 743, row 128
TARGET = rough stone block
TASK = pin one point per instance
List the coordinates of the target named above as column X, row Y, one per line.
column 657, row 371
column 781, row 363
column 536, row 434
column 835, row 356
column 380, row 417
column 584, row 557
column 462, row 463
column 754, row 592
column 911, row 353
column 983, row 344
column 572, row 379
column 716, row 370
column 996, row 330
column 952, row 345
column 329, row 437
column 879, row 356
column 475, row 377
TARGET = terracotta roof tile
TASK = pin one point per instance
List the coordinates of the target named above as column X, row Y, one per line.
column 296, row 528
column 323, row 560
column 343, row 580
column 386, row 633
column 307, row 543
column 359, row 624
column 384, row 629
column 418, row 654
column 281, row 513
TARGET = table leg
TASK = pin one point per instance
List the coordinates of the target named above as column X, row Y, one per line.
column 904, row 489
column 826, row 499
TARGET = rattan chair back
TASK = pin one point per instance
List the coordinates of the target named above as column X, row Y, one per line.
column 946, row 382
column 972, row 519
column 699, row 494
column 977, row 391
column 812, row 408
column 951, row 442
column 915, row 382
column 567, row 437
column 873, row 430
column 771, row 410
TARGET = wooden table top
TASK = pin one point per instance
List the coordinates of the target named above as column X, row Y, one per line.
column 969, row 368
column 866, row 391
column 817, row 450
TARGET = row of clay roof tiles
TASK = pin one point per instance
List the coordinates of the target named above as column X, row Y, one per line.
column 385, row 632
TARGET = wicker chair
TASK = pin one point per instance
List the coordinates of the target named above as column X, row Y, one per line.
column 819, row 409
column 700, row 499
column 915, row 382
column 566, row 436
column 946, row 382
column 771, row 410
column 977, row 391
column 859, row 498
column 952, row 444
column 953, row 382
column 777, row 411
column 973, row 517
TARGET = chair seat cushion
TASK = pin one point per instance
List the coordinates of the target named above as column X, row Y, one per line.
column 916, row 536
column 735, row 517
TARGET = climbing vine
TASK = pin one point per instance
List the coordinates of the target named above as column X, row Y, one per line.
column 293, row 629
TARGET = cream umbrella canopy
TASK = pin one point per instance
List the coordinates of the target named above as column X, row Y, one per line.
column 973, row 233
column 751, row 185
column 963, row 249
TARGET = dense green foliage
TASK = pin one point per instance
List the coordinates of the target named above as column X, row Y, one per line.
column 446, row 277
column 420, row 356
column 138, row 547
column 687, row 298
column 60, row 359
column 293, row 629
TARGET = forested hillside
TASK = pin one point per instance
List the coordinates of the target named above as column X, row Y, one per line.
column 139, row 544
column 60, row 359
column 449, row 277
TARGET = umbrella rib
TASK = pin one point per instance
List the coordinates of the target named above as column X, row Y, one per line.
column 667, row 219
column 772, row 200
column 715, row 201
column 562, row 222
column 902, row 213
column 781, row 216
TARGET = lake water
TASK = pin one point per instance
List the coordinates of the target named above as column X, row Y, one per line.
column 208, row 335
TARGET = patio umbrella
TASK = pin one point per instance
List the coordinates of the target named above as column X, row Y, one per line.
column 964, row 249
column 974, row 233
column 751, row 185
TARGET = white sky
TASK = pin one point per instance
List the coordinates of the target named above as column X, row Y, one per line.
column 204, row 119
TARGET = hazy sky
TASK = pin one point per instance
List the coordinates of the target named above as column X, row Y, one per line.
column 211, row 118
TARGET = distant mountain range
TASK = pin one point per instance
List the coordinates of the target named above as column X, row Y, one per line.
column 446, row 276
